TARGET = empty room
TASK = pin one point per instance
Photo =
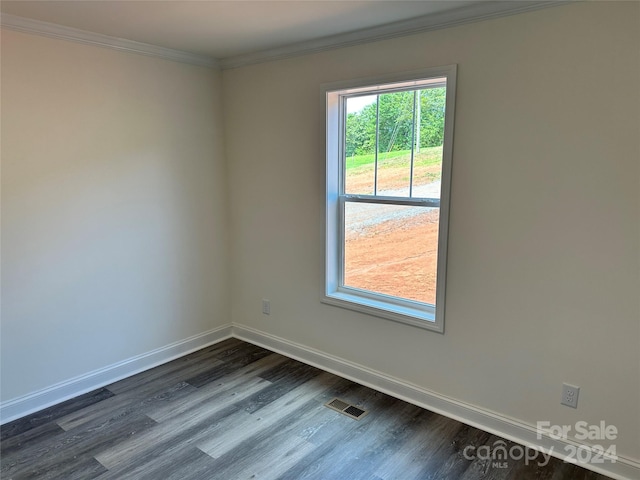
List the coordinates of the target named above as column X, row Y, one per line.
column 320, row 240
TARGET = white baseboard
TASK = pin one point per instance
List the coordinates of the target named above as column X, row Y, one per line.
column 35, row 401
column 509, row 428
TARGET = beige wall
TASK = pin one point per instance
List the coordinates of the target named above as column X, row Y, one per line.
column 114, row 229
column 544, row 240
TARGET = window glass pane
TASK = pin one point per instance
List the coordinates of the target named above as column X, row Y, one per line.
column 395, row 139
column 360, row 145
column 392, row 249
column 429, row 139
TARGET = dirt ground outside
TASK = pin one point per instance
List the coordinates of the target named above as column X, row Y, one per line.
column 386, row 258
column 382, row 254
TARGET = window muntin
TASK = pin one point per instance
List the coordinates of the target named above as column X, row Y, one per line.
column 388, row 173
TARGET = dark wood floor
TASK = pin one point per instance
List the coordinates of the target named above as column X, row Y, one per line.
column 237, row 411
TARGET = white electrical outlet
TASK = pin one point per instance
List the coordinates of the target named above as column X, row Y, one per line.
column 266, row 307
column 570, row 395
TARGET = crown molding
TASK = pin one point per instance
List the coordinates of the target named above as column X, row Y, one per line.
column 37, row 27
column 458, row 16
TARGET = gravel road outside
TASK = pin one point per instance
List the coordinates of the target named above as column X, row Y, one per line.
column 381, row 254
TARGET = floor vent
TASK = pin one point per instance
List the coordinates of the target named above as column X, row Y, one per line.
column 346, row 408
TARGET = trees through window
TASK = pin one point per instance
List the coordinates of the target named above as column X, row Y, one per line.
column 388, row 174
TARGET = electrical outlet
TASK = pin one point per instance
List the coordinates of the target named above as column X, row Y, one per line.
column 266, row 307
column 570, row 395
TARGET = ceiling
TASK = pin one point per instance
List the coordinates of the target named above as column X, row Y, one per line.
column 228, row 29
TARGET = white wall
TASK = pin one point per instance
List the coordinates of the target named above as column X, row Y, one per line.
column 544, row 235
column 115, row 192
column 114, row 227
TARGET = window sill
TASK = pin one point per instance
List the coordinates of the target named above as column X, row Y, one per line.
column 397, row 313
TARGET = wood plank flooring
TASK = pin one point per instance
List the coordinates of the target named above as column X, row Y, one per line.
column 238, row 411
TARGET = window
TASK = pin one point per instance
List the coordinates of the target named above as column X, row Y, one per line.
column 389, row 148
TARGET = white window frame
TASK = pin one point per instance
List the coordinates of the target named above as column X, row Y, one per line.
column 430, row 317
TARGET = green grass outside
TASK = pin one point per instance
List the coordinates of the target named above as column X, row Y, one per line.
column 427, row 156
